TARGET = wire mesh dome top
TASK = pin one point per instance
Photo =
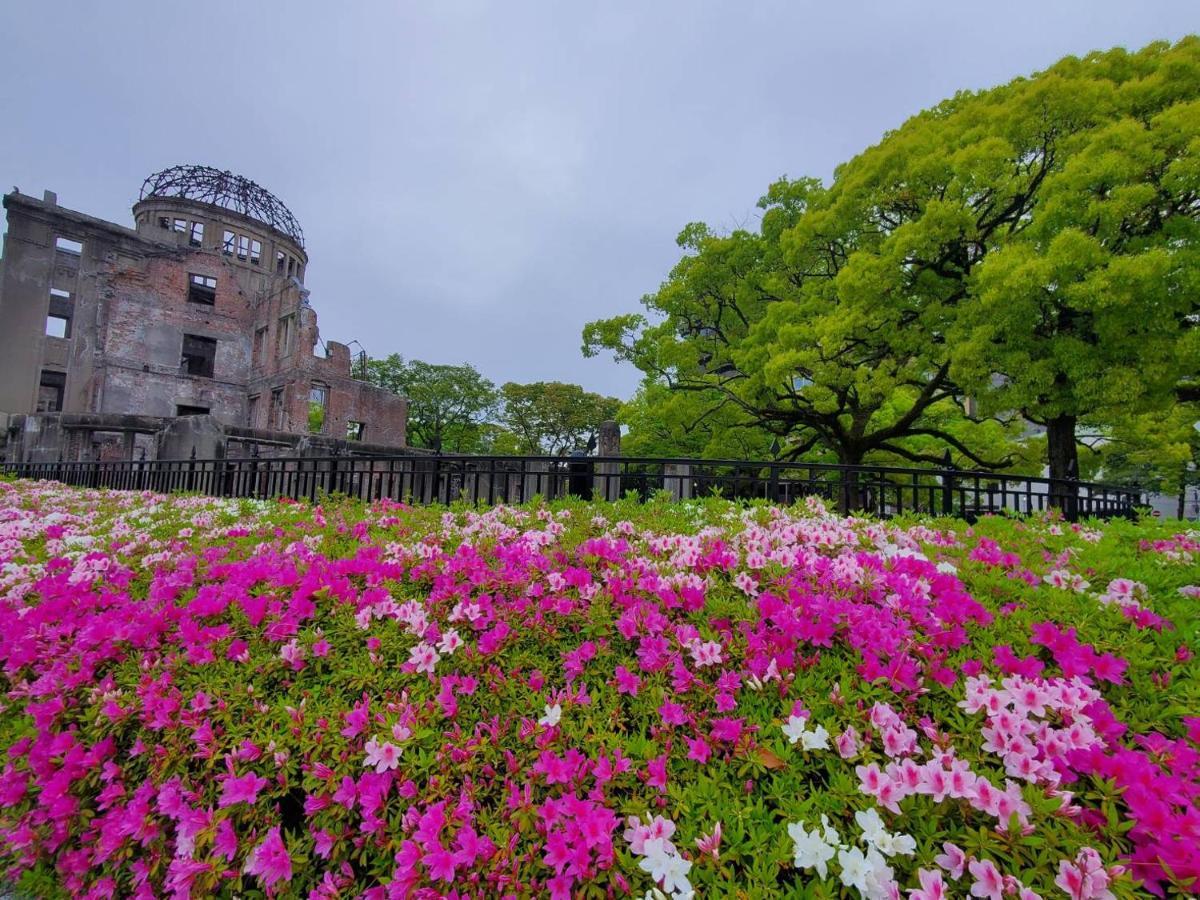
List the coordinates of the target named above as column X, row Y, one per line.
column 209, row 185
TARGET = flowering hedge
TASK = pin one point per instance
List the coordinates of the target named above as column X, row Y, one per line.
column 210, row 696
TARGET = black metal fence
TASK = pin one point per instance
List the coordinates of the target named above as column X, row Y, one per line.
column 878, row 490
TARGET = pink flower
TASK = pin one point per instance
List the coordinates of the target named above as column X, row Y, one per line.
column 953, row 860
column 706, row 654
column 269, row 861
column 1086, row 878
column 383, row 756
column 672, row 713
column 932, row 887
column 711, row 843
column 321, row 648
column 225, row 841
column 988, row 881
column 440, row 864
column 293, row 654
column 656, row 772
column 847, row 743
column 240, row 790
column 627, row 682
column 699, row 750
column 450, row 642
column 423, row 657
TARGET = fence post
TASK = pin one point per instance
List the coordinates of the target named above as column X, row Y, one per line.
column 1071, row 500
column 191, row 478
column 947, row 476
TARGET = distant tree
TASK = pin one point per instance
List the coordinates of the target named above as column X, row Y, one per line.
column 448, row 406
column 551, row 417
column 1156, row 452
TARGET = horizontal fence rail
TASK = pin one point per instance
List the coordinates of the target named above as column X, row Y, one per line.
column 879, row 490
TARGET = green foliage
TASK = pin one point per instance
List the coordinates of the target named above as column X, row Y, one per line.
column 448, row 406
column 316, row 417
column 551, row 417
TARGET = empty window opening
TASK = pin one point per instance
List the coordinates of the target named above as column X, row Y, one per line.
column 66, row 245
column 355, row 431
column 291, row 266
column 164, row 222
column 181, row 225
column 260, row 345
column 197, row 236
column 287, row 334
column 184, row 410
column 227, row 243
column 255, row 252
column 252, row 411
column 280, row 261
column 199, row 354
column 58, row 326
column 278, row 410
column 50, row 391
column 243, row 246
column 202, row 289
column 318, row 407
column 62, row 310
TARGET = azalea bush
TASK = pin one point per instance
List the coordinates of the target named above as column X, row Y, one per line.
column 210, row 696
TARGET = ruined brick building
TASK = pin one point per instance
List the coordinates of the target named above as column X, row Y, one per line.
column 108, row 333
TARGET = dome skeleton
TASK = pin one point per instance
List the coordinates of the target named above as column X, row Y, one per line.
column 225, row 189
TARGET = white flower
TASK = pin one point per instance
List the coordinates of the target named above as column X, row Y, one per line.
column 854, row 869
column 878, row 837
column 665, row 866
column 817, row 739
column 871, row 824
column 552, row 716
column 795, row 728
column 809, row 850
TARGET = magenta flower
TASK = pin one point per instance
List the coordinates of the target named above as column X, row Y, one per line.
column 269, row 861
column 627, row 682
column 240, row 790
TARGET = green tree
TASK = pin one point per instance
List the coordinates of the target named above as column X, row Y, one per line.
column 448, row 406
column 1032, row 246
column 663, row 422
column 551, row 417
column 1159, row 453
column 760, row 323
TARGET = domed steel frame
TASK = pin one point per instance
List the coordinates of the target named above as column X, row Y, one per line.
column 209, row 185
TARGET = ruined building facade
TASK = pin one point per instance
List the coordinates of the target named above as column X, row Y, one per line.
column 198, row 310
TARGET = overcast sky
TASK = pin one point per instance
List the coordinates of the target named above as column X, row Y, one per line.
column 477, row 180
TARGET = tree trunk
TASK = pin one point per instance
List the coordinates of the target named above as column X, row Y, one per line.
column 1064, row 464
column 850, row 494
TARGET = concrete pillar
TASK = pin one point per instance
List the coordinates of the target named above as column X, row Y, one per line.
column 180, row 436
column 677, row 480
column 44, row 439
column 608, row 480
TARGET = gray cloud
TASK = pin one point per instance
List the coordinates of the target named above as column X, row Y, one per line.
column 477, row 180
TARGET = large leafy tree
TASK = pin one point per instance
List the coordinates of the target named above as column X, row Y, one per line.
column 760, row 324
column 1033, row 246
column 448, row 406
column 551, row 417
